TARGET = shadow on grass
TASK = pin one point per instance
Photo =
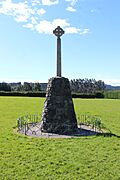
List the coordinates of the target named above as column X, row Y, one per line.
column 87, row 132
column 108, row 135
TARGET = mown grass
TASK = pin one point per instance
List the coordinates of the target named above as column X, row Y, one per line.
column 23, row 157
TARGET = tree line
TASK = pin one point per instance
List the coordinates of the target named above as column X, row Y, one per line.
column 87, row 86
column 90, row 86
column 20, row 87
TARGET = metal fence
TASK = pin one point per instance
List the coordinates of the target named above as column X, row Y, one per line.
column 32, row 122
column 24, row 123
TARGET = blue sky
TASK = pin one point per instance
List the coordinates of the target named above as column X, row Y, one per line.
column 90, row 46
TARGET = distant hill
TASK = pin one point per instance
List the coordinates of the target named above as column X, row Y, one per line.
column 109, row 87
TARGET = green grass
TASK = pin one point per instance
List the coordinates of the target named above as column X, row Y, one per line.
column 89, row 158
column 112, row 94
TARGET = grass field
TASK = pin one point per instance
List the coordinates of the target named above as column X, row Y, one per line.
column 84, row 158
column 113, row 94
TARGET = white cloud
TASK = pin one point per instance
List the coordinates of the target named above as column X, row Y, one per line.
column 47, row 27
column 30, row 26
column 30, row 14
column 41, row 11
column 33, row 20
column 44, row 27
column 71, row 30
column 84, row 31
column 74, row 30
column 20, row 18
column 45, row 2
column 20, row 11
column 60, row 22
column 35, row 2
column 71, row 6
column 49, row 2
column 113, row 82
column 72, row 2
column 71, row 9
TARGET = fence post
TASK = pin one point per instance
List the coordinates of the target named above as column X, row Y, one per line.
column 25, row 127
column 18, row 123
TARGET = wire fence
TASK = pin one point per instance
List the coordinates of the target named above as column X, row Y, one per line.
column 32, row 122
column 94, row 121
column 24, row 123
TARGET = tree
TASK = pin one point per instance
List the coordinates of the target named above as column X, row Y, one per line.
column 36, row 87
column 86, row 85
column 27, row 86
column 5, row 87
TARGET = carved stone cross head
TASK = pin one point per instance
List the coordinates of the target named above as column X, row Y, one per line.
column 58, row 32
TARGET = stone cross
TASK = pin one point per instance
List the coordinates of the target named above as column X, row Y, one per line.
column 58, row 32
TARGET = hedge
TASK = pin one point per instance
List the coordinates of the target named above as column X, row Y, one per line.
column 24, row 94
column 42, row 94
column 83, row 95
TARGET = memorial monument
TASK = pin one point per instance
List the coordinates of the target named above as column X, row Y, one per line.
column 58, row 113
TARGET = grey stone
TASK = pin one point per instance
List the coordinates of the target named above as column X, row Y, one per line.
column 58, row 114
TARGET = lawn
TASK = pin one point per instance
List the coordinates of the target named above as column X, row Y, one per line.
column 83, row 158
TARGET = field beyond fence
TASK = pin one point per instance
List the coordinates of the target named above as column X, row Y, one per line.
column 114, row 94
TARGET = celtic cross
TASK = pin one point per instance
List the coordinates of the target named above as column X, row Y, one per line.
column 58, row 32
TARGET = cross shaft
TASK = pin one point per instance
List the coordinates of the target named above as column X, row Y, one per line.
column 58, row 32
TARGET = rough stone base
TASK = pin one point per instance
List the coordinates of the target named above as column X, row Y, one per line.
column 58, row 114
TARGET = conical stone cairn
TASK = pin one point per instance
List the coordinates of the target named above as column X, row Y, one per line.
column 58, row 114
